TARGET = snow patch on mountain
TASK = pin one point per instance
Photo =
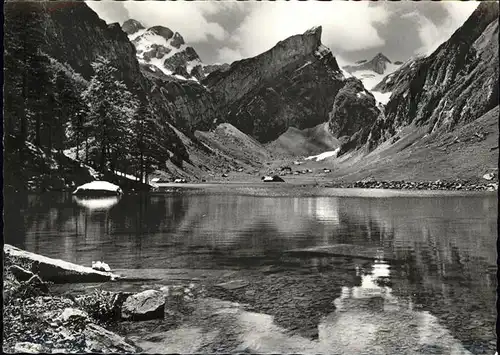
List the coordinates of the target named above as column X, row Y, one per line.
column 370, row 78
column 134, row 35
column 382, row 97
column 163, row 49
column 324, row 155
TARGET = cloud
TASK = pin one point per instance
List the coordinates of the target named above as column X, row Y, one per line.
column 432, row 35
column 346, row 25
column 109, row 11
column 187, row 18
column 229, row 55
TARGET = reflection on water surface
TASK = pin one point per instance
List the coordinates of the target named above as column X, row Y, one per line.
column 96, row 204
column 434, row 255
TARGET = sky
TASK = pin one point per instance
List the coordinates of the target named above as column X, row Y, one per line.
column 225, row 31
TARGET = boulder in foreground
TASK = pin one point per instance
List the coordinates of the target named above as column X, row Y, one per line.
column 56, row 270
column 98, row 188
column 145, row 305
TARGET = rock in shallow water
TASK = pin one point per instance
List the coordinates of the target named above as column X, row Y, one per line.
column 145, row 305
column 56, row 270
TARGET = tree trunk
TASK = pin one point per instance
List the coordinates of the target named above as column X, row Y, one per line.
column 77, row 147
column 86, row 150
column 142, row 166
column 103, row 157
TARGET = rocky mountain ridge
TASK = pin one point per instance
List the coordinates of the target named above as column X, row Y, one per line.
column 377, row 64
column 161, row 48
column 454, row 85
column 294, row 90
column 293, row 84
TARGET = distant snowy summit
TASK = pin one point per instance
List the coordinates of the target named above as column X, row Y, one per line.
column 160, row 48
column 372, row 72
column 378, row 64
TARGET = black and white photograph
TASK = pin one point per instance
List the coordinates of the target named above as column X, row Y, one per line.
column 250, row 177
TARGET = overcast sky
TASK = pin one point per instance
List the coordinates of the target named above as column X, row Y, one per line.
column 224, row 31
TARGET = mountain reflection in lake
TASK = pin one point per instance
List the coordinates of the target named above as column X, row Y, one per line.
column 432, row 254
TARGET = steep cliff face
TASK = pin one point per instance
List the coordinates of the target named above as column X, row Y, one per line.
column 80, row 42
column 454, row 85
column 291, row 85
column 244, row 75
column 354, row 109
column 185, row 103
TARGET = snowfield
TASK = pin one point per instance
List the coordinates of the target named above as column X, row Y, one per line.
column 145, row 43
column 370, row 79
column 324, row 155
column 382, row 97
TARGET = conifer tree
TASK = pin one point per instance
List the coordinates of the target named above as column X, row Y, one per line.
column 110, row 108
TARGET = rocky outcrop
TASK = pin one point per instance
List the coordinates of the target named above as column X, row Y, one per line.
column 209, row 68
column 453, row 86
column 162, row 31
column 186, row 104
column 181, row 60
column 354, row 109
column 145, row 305
column 378, row 64
column 292, row 84
column 353, row 114
column 177, row 40
column 132, row 26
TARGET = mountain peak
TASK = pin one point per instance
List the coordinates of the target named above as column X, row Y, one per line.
column 162, row 31
column 316, row 30
column 381, row 57
column 131, row 26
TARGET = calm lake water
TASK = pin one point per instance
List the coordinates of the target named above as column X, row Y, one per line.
column 437, row 252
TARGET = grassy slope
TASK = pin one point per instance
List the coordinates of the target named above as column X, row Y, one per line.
column 459, row 154
column 417, row 156
column 224, row 150
column 231, row 142
column 304, row 142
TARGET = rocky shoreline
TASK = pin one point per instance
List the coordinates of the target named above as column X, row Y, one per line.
column 39, row 321
column 455, row 185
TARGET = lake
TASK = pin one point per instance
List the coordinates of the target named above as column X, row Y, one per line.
column 350, row 251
